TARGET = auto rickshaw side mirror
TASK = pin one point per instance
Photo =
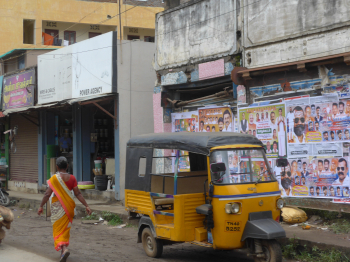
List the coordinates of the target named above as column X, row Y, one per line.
column 218, row 167
column 282, row 162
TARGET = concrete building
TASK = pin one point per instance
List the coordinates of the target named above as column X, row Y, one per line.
column 73, row 21
column 263, row 52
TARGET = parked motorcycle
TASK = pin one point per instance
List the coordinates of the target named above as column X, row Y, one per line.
column 4, row 197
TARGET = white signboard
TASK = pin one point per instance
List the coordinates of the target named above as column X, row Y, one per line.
column 80, row 70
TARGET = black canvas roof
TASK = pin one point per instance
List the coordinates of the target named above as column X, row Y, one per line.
column 199, row 143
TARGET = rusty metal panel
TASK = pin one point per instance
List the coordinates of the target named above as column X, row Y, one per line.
column 322, row 204
column 24, row 163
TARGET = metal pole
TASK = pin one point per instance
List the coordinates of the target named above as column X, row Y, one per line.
column 176, row 170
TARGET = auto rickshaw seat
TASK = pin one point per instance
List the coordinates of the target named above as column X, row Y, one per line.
column 204, row 209
column 163, row 201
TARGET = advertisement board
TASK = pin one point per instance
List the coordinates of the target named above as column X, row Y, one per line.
column 215, row 119
column 80, row 70
column 18, row 90
column 183, row 122
column 316, row 177
column 268, row 124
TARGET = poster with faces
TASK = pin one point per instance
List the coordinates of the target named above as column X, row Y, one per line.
column 216, row 119
column 268, row 124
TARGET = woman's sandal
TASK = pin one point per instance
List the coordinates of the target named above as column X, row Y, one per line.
column 64, row 256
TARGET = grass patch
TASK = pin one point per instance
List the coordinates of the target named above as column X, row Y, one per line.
column 132, row 226
column 93, row 216
column 113, row 219
column 116, row 220
column 340, row 226
column 301, row 253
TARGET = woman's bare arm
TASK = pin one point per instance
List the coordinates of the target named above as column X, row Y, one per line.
column 45, row 199
column 79, row 195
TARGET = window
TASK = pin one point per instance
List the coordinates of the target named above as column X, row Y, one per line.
column 149, row 39
column 50, row 36
column 92, row 34
column 28, row 31
column 21, row 63
column 242, row 166
column 70, row 37
column 133, row 37
column 142, row 166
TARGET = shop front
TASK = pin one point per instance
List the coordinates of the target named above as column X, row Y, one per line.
column 18, row 94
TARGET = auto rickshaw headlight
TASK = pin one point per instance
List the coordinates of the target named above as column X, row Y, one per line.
column 280, row 203
column 232, row 208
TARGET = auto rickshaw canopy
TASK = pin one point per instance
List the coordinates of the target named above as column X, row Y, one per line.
column 198, row 142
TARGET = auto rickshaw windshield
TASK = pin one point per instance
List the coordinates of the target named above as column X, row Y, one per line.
column 242, row 166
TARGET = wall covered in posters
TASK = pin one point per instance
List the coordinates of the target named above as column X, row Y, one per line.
column 268, row 124
column 319, row 177
column 316, row 130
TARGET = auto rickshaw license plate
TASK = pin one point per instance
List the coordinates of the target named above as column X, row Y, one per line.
column 232, row 226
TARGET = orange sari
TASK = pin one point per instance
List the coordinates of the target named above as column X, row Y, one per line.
column 62, row 211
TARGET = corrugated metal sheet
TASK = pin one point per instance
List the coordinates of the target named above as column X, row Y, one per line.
column 24, row 163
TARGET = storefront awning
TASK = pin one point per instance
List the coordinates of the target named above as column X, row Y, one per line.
column 60, row 103
column 24, row 109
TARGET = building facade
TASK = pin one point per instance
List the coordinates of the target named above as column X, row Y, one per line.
column 256, row 57
column 29, row 23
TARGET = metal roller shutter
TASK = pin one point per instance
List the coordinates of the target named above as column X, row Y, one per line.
column 24, row 163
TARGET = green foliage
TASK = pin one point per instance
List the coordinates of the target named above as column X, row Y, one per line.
column 116, row 220
column 302, row 254
column 106, row 215
column 93, row 216
column 341, row 226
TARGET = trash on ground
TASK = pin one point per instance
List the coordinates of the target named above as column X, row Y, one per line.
column 101, row 219
column 121, row 226
column 90, row 221
column 306, row 227
column 293, row 215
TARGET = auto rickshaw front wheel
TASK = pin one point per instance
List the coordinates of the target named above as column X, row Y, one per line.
column 152, row 246
column 272, row 251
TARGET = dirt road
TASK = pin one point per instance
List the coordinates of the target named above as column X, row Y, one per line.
column 30, row 239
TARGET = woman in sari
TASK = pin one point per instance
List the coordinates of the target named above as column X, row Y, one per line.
column 62, row 207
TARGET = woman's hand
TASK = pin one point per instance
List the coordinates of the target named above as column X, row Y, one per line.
column 88, row 210
column 40, row 211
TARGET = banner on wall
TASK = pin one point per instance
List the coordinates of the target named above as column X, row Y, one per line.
column 18, row 90
column 315, row 176
column 216, row 119
column 184, row 122
column 324, row 119
column 268, row 124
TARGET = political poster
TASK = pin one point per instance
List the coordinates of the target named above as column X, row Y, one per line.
column 184, row 122
column 215, row 119
column 268, row 124
column 316, row 176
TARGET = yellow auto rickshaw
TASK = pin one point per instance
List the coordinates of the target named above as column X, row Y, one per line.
column 217, row 191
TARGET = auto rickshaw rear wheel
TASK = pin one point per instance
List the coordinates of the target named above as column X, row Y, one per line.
column 152, row 246
column 272, row 251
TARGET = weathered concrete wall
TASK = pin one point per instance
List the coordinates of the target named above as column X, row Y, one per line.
column 136, row 79
column 196, row 31
column 285, row 31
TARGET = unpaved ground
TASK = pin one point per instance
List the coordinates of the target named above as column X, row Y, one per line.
column 31, row 233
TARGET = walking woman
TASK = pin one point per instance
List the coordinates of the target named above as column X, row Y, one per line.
column 62, row 207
